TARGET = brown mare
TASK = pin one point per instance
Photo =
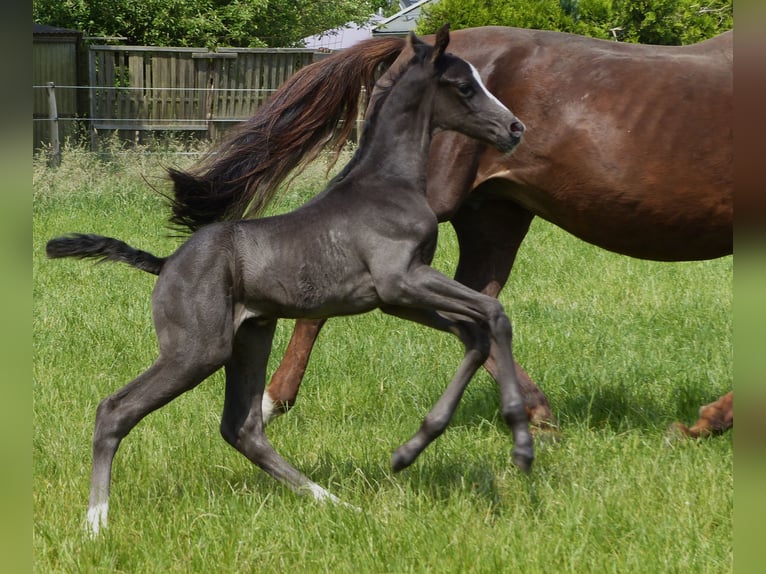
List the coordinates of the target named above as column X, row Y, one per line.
column 629, row 147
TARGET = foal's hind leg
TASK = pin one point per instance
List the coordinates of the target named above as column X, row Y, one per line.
column 119, row 413
column 242, row 422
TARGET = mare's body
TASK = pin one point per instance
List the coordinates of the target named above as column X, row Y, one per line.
column 629, row 147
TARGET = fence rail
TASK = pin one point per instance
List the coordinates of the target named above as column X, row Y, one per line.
column 134, row 89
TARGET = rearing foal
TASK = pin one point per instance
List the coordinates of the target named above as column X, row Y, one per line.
column 366, row 242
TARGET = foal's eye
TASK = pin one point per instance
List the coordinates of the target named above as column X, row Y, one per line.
column 465, row 89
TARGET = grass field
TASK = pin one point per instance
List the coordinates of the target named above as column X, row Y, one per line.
column 622, row 348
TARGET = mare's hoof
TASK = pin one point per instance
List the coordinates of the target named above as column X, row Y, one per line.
column 541, row 416
column 679, row 431
column 545, row 433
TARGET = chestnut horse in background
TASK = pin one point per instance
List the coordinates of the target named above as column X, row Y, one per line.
column 629, row 147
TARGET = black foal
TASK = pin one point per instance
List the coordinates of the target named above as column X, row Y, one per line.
column 366, row 242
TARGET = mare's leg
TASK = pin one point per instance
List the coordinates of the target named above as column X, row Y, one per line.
column 283, row 389
column 425, row 288
column 715, row 418
column 490, row 233
column 477, row 346
column 242, row 422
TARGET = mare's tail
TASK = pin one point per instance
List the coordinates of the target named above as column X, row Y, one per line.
column 103, row 249
column 316, row 107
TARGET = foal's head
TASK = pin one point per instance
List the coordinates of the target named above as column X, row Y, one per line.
column 461, row 101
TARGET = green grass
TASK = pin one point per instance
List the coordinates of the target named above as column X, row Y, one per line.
column 622, row 348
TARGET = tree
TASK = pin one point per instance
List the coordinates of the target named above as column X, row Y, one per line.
column 211, row 23
column 674, row 21
column 647, row 21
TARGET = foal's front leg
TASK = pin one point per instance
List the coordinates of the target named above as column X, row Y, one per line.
column 477, row 347
column 489, row 234
column 425, row 288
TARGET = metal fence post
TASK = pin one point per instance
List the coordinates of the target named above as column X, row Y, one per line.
column 53, row 115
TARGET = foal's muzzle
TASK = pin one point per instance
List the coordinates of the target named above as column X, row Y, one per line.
column 517, row 128
column 515, row 131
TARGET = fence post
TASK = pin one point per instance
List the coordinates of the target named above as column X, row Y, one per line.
column 210, row 104
column 53, row 115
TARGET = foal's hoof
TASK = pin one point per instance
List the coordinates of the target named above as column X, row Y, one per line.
column 523, row 458
column 401, row 459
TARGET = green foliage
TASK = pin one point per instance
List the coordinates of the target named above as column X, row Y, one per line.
column 645, row 21
column 241, row 23
column 674, row 21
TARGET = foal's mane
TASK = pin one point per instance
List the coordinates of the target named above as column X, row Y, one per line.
column 383, row 88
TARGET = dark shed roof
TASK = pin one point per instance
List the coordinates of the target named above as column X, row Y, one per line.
column 44, row 30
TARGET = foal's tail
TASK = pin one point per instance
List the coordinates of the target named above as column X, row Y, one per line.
column 316, row 107
column 103, row 249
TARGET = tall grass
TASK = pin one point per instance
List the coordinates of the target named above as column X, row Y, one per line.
column 622, row 348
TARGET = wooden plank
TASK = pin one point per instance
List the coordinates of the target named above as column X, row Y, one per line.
column 248, row 103
column 258, row 82
column 92, row 95
column 173, row 93
column 107, row 81
column 185, row 81
column 236, row 88
column 159, row 79
column 55, row 157
column 201, row 84
column 137, row 126
column 222, row 101
column 136, row 79
column 124, row 94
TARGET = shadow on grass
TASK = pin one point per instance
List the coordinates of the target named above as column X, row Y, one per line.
column 610, row 408
column 613, row 407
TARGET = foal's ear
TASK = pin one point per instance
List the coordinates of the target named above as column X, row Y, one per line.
column 442, row 39
column 415, row 42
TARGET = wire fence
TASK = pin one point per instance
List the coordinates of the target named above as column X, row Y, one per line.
column 137, row 135
column 144, row 92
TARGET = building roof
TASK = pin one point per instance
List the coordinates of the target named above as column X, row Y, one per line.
column 42, row 29
column 401, row 23
column 343, row 36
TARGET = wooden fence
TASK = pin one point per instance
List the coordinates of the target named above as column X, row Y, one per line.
column 144, row 88
column 138, row 89
column 56, row 59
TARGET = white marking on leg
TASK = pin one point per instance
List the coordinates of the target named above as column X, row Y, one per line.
column 97, row 518
column 267, row 408
column 322, row 495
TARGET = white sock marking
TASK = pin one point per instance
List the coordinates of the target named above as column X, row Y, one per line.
column 267, row 408
column 97, row 518
column 321, row 495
